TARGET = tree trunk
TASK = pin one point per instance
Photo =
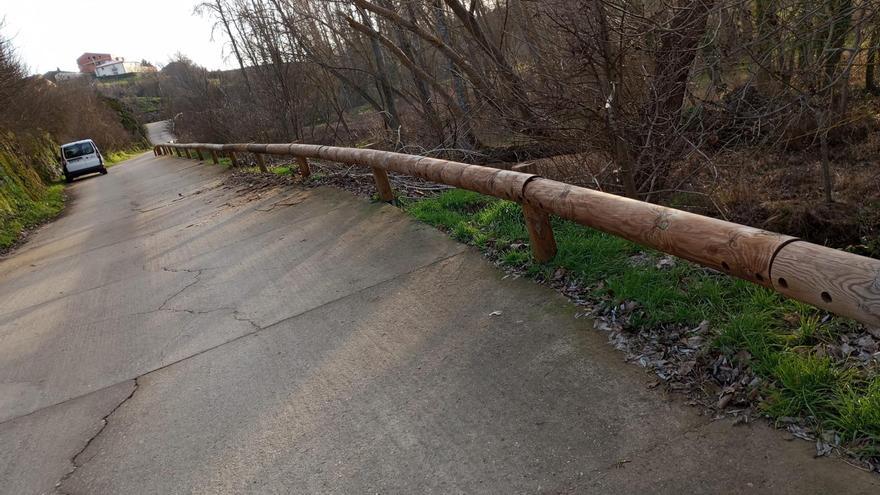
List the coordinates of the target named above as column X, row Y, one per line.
column 458, row 83
column 871, row 61
column 515, row 84
column 609, row 81
column 673, row 59
column 827, row 181
column 218, row 6
column 390, row 115
column 425, row 99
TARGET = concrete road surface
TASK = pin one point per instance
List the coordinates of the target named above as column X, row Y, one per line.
column 172, row 333
column 160, row 132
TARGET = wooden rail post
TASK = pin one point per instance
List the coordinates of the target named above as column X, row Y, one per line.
column 383, row 185
column 199, row 153
column 214, row 157
column 304, row 168
column 540, row 233
column 186, row 150
column 179, row 153
column 232, row 159
column 261, row 162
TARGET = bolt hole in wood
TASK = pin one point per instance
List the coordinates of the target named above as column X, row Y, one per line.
column 826, row 297
column 725, row 266
column 783, row 283
column 759, row 277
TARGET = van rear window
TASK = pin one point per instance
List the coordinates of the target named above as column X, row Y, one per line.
column 77, row 150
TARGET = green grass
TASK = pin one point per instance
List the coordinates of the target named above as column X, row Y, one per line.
column 145, row 104
column 116, row 157
column 221, row 161
column 30, row 213
column 778, row 334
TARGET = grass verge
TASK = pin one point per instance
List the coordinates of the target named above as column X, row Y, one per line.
column 784, row 342
column 28, row 214
column 117, row 157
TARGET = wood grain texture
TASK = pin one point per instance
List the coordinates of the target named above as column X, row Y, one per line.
column 841, row 282
column 505, row 184
column 304, row 169
column 737, row 250
column 256, row 148
column 541, row 238
column 383, row 185
column 278, row 149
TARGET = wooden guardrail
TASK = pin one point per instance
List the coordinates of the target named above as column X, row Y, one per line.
column 840, row 282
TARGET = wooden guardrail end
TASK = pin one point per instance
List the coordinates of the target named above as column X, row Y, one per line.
column 841, row 282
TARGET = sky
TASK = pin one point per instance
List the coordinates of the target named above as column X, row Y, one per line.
column 50, row 34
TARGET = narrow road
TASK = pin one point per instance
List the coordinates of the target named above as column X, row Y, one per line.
column 160, row 132
column 175, row 333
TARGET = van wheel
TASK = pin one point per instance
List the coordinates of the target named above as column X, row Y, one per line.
column 103, row 171
column 68, row 179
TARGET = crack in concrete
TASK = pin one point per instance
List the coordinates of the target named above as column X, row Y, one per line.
column 9, row 317
column 257, row 328
column 647, row 451
column 235, row 316
column 12, row 315
column 63, row 258
column 74, row 460
column 196, row 280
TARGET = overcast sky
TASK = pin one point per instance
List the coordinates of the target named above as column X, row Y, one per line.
column 52, row 33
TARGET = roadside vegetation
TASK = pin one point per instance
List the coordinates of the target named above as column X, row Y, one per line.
column 36, row 115
column 809, row 374
column 25, row 199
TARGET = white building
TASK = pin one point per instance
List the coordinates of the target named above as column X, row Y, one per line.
column 119, row 68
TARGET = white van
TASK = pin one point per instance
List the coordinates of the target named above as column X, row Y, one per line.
column 80, row 158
